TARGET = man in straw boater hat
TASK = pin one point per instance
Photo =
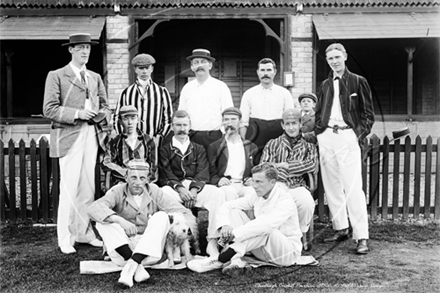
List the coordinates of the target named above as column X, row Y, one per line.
column 76, row 101
column 344, row 117
column 204, row 98
column 132, row 219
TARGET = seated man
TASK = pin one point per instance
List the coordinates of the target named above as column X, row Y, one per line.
column 132, row 144
column 273, row 236
column 294, row 156
column 184, row 172
column 133, row 222
column 231, row 159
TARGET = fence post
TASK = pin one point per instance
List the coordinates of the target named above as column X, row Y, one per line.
column 396, row 171
column 406, row 170
column 12, row 193
column 428, row 166
column 437, row 184
column 55, row 187
column 44, row 192
column 34, row 180
column 23, row 181
column 374, row 175
column 3, row 191
column 417, row 176
column 385, row 174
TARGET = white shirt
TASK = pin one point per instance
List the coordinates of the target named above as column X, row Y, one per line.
column 183, row 147
column 76, row 70
column 205, row 103
column 277, row 212
column 267, row 104
column 236, row 161
column 336, row 112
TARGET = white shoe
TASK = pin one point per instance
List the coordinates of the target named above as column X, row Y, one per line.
column 204, row 265
column 127, row 273
column 69, row 249
column 96, row 243
column 141, row 274
column 212, row 248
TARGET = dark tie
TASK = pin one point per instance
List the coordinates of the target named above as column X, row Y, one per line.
column 83, row 80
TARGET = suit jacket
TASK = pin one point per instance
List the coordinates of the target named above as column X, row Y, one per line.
column 174, row 167
column 308, row 122
column 119, row 201
column 218, row 157
column 356, row 104
column 63, row 96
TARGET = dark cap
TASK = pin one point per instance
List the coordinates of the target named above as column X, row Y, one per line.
column 292, row 114
column 138, row 164
column 128, row 110
column 81, row 38
column 143, row 60
column 201, row 53
column 232, row 111
column 308, row 95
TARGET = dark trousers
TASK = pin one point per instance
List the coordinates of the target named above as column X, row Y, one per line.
column 261, row 131
column 205, row 138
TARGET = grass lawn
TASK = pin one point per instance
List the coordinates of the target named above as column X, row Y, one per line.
column 404, row 258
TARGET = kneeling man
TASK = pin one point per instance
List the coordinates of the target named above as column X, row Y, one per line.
column 133, row 222
column 273, row 236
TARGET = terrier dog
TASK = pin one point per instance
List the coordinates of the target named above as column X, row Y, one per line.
column 183, row 230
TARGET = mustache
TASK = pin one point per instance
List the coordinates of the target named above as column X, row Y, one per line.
column 181, row 132
column 265, row 76
column 230, row 127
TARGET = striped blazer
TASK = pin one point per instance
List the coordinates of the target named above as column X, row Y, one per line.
column 356, row 104
column 302, row 158
column 155, row 108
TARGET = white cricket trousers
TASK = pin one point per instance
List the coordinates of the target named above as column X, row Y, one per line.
column 274, row 247
column 151, row 243
column 304, row 203
column 77, row 189
column 341, row 169
column 209, row 198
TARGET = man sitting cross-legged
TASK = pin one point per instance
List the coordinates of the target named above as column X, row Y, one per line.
column 132, row 220
column 273, row 236
column 294, row 156
column 132, row 144
column 184, row 172
column 231, row 159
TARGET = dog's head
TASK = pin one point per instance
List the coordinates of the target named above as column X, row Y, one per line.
column 179, row 227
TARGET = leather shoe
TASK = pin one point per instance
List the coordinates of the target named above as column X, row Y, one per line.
column 362, row 247
column 340, row 235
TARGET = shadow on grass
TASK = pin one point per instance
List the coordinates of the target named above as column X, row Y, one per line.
column 31, row 262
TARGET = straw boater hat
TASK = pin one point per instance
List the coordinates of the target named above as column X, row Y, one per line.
column 76, row 39
column 201, row 53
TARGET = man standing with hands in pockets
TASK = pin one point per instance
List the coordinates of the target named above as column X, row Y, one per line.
column 344, row 117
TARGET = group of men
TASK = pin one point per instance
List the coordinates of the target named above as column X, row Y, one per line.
column 245, row 166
